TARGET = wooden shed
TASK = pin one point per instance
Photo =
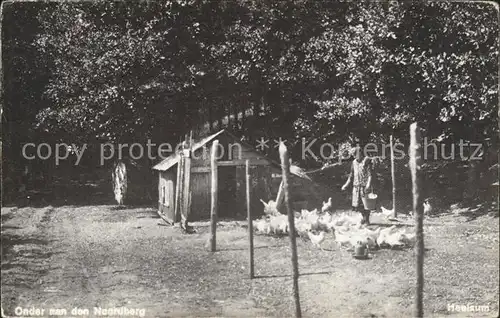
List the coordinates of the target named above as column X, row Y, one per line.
column 232, row 155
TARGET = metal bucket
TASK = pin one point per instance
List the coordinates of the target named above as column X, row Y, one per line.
column 370, row 203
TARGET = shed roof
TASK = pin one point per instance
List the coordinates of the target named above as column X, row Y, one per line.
column 173, row 159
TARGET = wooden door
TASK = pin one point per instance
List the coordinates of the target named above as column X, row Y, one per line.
column 227, row 191
column 200, row 197
column 166, row 197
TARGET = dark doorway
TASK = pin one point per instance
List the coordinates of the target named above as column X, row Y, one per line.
column 227, row 191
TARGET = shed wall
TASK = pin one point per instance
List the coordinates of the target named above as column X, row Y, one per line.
column 263, row 185
column 201, row 195
column 166, row 193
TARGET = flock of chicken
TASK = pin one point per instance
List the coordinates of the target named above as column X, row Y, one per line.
column 345, row 228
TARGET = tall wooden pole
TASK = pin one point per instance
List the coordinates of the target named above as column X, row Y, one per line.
column 187, row 188
column 180, row 187
column 213, row 211
column 285, row 167
column 279, row 197
column 393, row 174
column 250, row 224
column 418, row 210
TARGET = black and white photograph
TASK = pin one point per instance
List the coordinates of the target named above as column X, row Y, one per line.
column 249, row 158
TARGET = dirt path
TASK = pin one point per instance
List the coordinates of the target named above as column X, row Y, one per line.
column 99, row 257
column 95, row 256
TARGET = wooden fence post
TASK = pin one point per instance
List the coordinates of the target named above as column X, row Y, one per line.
column 393, row 174
column 418, row 210
column 250, row 224
column 187, row 189
column 213, row 210
column 279, row 196
column 180, row 188
column 285, row 168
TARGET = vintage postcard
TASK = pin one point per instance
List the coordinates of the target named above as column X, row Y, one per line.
column 249, row 158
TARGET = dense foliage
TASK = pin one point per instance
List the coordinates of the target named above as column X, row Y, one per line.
column 90, row 72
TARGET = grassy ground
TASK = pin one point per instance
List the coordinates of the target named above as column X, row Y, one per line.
column 90, row 256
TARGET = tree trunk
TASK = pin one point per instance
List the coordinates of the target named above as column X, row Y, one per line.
column 472, row 180
column 210, row 119
column 220, row 116
column 243, row 108
column 275, row 103
column 215, row 116
column 235, row 115
column 228, row 115
column 256, row 107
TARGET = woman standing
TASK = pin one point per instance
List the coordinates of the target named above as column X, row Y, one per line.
column 361, row 177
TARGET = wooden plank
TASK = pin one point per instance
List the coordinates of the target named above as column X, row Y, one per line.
column 167, row 213
column 285, row 166
column 240, row 188
column 200, row 203
column 255, row 162
column 165, row 218
column 200, row 169
column 267, row 181
column 187, row 190
column 179, row 188
column 160, row 180
column 213, row 210
column 280, row 197
column 418, row 210
column 257, row 190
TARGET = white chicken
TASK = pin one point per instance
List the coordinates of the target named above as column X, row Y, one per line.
column 354, row 219
column 361, row 237
column 327, row 206
column 279, row 224
column 306, row 213
column 378, row 218
column 302, row 226
column 340, row 220
column 395, row 239
column 343, row 229
column 387, row 212
column 346, row 219
column 270, row 208
column 408, row 239
column 372, row 234
column 388, row 230
column 324, row 222
column 312, row 219
column 384, row 234
column 262, row 226
column 365, row 240
column 316, row 239
column 283, row 228
column 372, row 244
column 342, row 239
